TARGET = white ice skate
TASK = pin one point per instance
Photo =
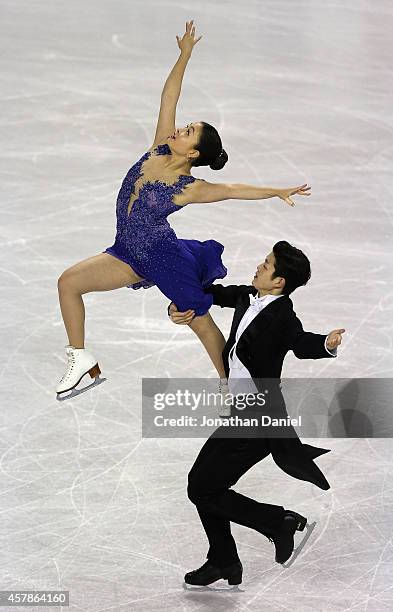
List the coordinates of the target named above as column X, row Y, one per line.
column 80, row 362
column 224, row 405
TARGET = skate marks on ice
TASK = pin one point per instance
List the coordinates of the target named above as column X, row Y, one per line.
column 62, row 397
column 309, row 529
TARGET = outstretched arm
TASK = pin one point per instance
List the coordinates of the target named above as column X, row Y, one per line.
column 307, row 345
column 203, row 191
column 172, row 88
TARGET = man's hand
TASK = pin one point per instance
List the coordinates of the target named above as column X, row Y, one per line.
column 334, row 338
column 188, row 41
column 181, row 318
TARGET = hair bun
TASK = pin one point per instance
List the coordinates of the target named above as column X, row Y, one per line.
column 220, row 161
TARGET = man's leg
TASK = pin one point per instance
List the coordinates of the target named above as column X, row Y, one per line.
column 222, row 546
column 219, row 465
column 218, row 530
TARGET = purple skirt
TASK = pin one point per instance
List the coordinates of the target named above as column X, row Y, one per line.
column 182, row 276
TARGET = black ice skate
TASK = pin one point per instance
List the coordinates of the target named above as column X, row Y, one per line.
column 283, row 540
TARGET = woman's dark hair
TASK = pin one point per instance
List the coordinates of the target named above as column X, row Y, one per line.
column 292, row 264
column 210, row 149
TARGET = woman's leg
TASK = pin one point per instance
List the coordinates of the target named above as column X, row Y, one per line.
column 102, row 272
column 212, row 339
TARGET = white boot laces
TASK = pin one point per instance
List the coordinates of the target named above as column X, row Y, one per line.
column 71, row 363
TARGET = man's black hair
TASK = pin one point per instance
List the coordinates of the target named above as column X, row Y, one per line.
column 292, row 264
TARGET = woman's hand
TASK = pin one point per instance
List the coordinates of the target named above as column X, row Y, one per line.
column 285, row 194
column 187, row 43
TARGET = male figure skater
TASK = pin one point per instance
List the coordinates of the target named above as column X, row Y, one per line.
column 264, row 328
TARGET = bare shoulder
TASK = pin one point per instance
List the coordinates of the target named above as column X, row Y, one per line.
column 156, row 159
column 157, row 143
column 189, row 193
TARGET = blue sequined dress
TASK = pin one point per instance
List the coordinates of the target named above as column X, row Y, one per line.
column 180, row 268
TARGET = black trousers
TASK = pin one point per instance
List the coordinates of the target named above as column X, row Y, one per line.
column 219, row 465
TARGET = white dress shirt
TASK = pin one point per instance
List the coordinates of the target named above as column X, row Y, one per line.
column 237, row 370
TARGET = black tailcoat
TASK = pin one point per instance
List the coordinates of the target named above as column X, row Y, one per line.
column 262, row 348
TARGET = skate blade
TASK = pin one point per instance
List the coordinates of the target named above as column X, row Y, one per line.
column 299, row 548
column 212, row 588
column 62, row 397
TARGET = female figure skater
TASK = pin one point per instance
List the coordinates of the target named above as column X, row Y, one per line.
column 146, row 251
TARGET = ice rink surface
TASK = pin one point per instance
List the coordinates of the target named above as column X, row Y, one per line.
column 300, row 91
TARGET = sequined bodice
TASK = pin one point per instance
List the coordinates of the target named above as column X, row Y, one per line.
column 155, row 198
column 145, row 241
